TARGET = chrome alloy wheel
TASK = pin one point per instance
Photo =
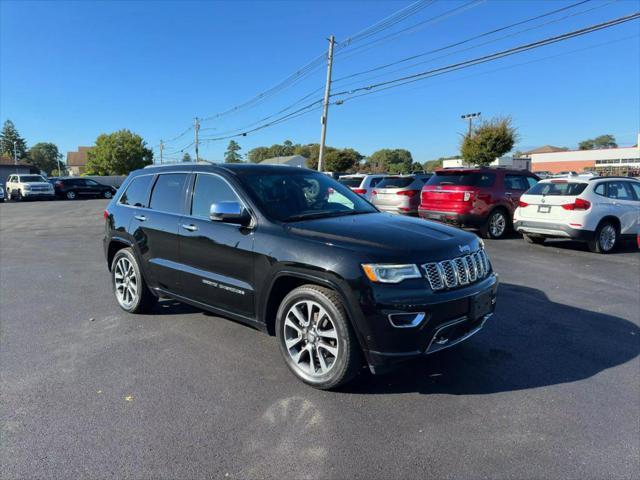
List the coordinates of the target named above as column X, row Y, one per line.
column 311, row 338
column 126, row 283
column 607, row 237
column 497, row 224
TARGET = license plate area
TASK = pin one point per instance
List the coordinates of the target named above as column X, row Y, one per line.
column 544, row 208
column 481, row 305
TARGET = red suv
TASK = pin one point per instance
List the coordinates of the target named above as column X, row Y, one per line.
column 483, row 198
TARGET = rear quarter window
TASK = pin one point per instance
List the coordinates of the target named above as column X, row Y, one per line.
column 557, row 188
column 136, row 193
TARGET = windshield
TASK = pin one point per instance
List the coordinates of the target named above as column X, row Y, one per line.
column 353, row 182
column 466, row 179
column 557, row 188
column 303, row 195
column 395, row 182
column 31, row 178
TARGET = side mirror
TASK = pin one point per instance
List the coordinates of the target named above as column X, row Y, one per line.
column 229, row 212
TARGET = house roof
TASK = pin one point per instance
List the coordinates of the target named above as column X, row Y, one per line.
column 7, row 160
column 546, row 149
column 79, row 158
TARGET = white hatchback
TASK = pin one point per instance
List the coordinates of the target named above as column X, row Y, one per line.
column 597, row 210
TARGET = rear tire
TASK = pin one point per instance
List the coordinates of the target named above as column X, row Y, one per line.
column 129, row 287
column 496, row 225
column 18, row 197
column 107, row 194
column 70, row 195
column 316, row 339
column 533, row 239
column 605, row 238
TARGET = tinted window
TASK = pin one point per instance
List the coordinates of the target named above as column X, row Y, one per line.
column 619, row 191
column 375, row 181
column 531, row 181
column 557, row 188
column 395, row 182
column 210, row 189
column 136, row 194
column 351, row 182
column 600, row 189
column 167, row 193
column 303, row 195
column 636, row 188
column 91, row 182
column 467, row 179
column 515, row 182
column 31, row 178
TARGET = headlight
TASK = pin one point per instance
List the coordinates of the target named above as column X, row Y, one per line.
column 390, row 273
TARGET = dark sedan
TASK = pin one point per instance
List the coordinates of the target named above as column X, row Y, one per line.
column 73, row 188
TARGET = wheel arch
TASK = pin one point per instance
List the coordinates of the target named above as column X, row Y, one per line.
column 612, row 219
column 115, row 245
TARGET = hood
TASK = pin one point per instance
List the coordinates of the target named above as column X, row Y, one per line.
column 38, row 184
column 386, row 237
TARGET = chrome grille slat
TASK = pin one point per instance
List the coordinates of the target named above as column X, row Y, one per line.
column 457, row 272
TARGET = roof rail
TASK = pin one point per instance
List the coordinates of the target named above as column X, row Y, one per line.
column 173, row 164
column 605, row 177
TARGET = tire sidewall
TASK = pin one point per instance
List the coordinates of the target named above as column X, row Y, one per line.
column 598, row 234
column 340, row 320
column 126, row 252
column 506, row 223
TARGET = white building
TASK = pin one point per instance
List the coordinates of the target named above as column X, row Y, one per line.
column 505, row 161
column 292, row 161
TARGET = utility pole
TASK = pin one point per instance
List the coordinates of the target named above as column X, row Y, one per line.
column 325, row 105
column 196, row 126
column 470, row 117
column 161, row 148
column 15, row 152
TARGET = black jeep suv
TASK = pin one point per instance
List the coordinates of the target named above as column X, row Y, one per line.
column 294, row 253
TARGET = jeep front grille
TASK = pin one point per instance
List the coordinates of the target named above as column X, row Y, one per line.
column 457, row 272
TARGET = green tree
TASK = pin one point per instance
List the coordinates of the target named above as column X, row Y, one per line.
column 186, row 157
column 232, row 155
column 258, row 154
column 490, row 140
column 342, row 160
column 601, row 141
column 8, row 136
column 118, row 153
column 396, row 160
column 45, row 156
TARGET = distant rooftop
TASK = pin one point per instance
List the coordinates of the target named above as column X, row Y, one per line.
column 546, row 149
column 292, row 160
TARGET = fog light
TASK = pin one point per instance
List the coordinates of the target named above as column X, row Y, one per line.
column 406, row 320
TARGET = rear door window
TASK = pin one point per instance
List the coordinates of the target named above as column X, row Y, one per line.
column 557, row 188
column 619, row 191
column 515, row 182
column 395, row 182
column 466, row 179
column 167, row 195
column 353, row 182
column 136, row 193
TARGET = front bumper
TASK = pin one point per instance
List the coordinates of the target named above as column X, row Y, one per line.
column 37, row 194
column 552, row 230
column 450, row 318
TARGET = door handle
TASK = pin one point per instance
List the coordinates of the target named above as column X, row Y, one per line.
column 508, row 194
column 141, row 218
column 191, row 228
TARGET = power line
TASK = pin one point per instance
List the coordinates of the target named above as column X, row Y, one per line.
column 462, row 42
column 494, row 56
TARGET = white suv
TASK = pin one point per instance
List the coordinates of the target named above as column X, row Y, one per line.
column 361, row 184
column 25, row 186
column 597, row 210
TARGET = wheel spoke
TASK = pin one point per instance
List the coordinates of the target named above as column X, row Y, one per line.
column 298, row 315
column 132, row 291
column 312, row 363
column 323, row 363
column 288, row 323
column 291, row 342
column 331, row 333
column 310, row 306
column 331, row 349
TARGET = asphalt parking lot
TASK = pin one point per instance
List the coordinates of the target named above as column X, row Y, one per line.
column 549, row 389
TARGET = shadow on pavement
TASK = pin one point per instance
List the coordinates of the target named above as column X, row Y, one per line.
column 531, row 342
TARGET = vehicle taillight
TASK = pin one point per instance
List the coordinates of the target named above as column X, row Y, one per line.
column 579, row 204
column 407, row 193
column 522, row 204
column 105, row 214
column 374, row 193
column 359, row 191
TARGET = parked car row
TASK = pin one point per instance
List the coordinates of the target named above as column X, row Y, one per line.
column 590, row 208
column 31, row 187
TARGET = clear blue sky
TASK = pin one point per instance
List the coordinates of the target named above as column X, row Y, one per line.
column 72, row 70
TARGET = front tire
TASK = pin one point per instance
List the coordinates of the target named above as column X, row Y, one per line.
column 70, row 195
column 107, row 194
column 316, row 339
column 130, row 289
column 605, row 238
column 496, row 225
column 533, row 239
